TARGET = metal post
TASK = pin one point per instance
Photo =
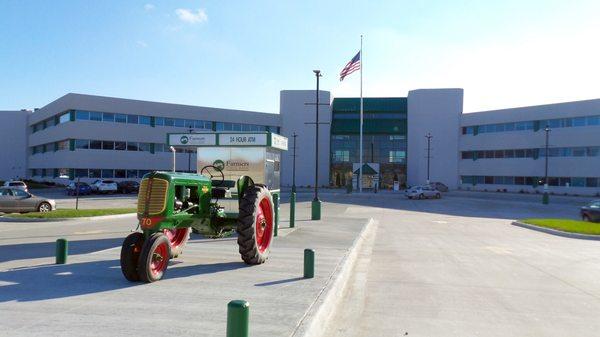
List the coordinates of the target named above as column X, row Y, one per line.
column 316, row 203
column 189, row 154
column 294, row 165
column 238, row 317
column 428, row 136
column 77, row 193
column 62, row 251
column 292, row 209
column 546, row 197
column 309, row 263
column 172, row 149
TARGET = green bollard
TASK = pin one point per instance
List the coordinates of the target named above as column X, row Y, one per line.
column 276, row 222
column 238, row 315
column 309, row 263
column 316, row 209
column 292, row 209
column 62, row 251
column 545, row 198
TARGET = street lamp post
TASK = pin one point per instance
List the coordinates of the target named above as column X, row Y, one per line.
column 294, row 165
column 172, row 149
column 316, row 203
column 189, row 151
column 428, row 136
column 546, row 197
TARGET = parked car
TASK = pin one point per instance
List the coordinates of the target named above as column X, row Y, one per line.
column 16, row 184
column 84, row 188
column 591, row 212
column 422, row 192
column 439, row 186
column 13, row 199
column 104, row 186
column 128, row 186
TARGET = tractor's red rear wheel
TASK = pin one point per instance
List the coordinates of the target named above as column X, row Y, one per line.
column 178, row 237
column 255, row 225
column 154, row 258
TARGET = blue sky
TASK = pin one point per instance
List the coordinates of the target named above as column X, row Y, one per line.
column 240, row 54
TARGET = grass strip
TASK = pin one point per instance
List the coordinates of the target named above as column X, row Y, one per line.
column 566, row 225
column 73, row 213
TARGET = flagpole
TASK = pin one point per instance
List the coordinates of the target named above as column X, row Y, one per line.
column 360, row 170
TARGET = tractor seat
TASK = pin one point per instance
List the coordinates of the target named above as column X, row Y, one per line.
column 218, row 192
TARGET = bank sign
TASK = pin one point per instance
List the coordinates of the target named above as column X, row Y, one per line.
column 228, row 139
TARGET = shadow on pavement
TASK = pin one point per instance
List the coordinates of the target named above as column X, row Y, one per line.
column 60, row 281
column 48, row 249
column 272, row 283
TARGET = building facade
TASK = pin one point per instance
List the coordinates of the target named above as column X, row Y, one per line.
column 91, row 137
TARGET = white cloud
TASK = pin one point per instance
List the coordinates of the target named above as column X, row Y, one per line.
column 191, row 16
column 141, row 43
column 149, row 7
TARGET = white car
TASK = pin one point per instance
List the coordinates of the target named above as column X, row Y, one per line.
column 422, row 192
column 104, row 186
column 16, row 184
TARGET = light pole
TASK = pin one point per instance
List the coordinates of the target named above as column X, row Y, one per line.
column 545, row 197
column 428, row 136
column 294, row 165
column 172, row 149
column 189, row 151
column 316, row 203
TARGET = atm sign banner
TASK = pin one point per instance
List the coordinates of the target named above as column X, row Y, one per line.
column 243, row 139
column 191, row 139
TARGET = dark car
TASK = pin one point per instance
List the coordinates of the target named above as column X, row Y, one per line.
column 84, row 189
column 591, row 212
column 439, row 186
column 128, row 186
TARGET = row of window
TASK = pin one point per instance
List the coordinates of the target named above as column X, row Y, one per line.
column 343, row 156
column 83, row 115
column 532, row 125
column 85, row 144
column 582, row 151
column 87, row 173
column 356, row 115
column 531, row 181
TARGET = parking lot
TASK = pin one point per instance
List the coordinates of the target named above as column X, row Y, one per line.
column 452, row 267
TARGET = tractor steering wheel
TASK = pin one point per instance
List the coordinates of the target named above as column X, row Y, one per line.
column 216, row 176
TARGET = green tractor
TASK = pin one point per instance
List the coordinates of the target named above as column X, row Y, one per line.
column 235, row 189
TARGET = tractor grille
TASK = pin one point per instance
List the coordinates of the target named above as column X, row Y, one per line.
column 152, row 196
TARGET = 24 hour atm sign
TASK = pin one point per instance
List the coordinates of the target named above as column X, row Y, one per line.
column 242, row 139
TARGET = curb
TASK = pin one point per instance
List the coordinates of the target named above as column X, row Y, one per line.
column 557, row 232
column 314, row 322
column 90, row 218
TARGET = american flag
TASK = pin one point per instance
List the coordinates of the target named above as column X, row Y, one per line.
column 351, row 67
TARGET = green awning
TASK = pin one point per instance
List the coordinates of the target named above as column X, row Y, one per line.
column 366, row 170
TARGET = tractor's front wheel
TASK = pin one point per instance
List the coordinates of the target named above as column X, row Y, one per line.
column 177, row 238
column 255, row 224
column 154, row 258
column 130, row 254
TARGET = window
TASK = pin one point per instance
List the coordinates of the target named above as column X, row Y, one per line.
column 108, row 173
column 189, row 123
column 498, row 180
column 519, row 180
column 132, row 146
column 81, row 173
column 108, row 145
column 144, row 147
column 120, row 146
column 578, row 151
column 120, row 118
column 179, row 122
column 82, row 115
column 467, row 155
column 499, row 154
column 144, row 120
column 169, row 122
column 397, row 156
column 64, row 118
column 529, row 153
column 341, row 156
column 159, row 121
column 20, row 193
column 62, row 145
column 579, row 121
column 132, row 119
column 489, row 154
column 553, row 181
column 159, row 147
column 119, row 173
column 593, row 120
column 509, row 153
column 94, row 173
column 95, row 144
column 132, row 174
column 591, row 182
column 82, row 144
column 564, row 181
column 509, row 126
column 141, row 173
column 108, row 117
column 95, row 116
column 593, row 151
column 578, row 182
column 488, row 180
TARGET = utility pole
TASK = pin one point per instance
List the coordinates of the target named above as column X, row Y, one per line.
column 428, row 136
column 545, row 197
column 294, row 165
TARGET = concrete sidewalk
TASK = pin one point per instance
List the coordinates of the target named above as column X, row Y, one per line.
column 90, row 297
